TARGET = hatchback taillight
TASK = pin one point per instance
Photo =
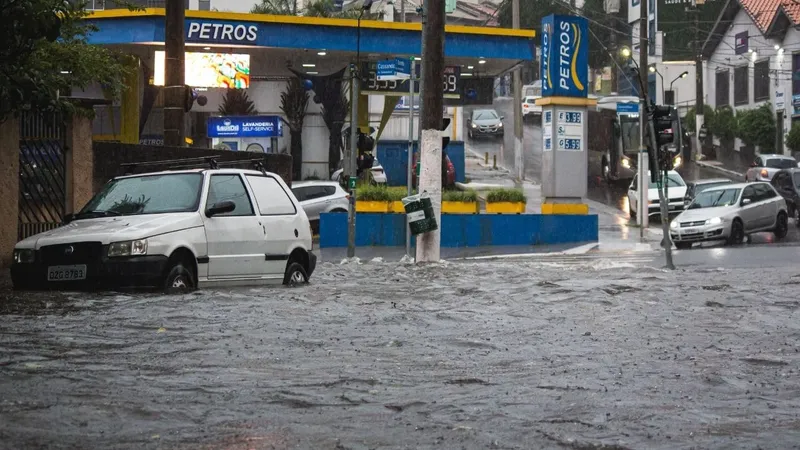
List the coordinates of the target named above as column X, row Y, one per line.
column 764, row 173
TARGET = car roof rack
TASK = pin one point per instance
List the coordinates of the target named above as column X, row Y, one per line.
column 208, row 162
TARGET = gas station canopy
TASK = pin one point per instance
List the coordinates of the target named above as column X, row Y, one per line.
column 321, row 44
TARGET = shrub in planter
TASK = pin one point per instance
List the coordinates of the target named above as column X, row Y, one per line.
column 460, row 202
column 505, row 201
column 374, row 199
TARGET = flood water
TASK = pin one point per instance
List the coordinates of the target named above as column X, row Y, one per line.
column 507, row 355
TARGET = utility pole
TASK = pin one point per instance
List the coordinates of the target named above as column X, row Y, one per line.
column 409, row 169
column 644, row 179
column 403, row 17
column 519, row 162
column 174, row 92
column 430, row 178
column 699, row 102
column 351, row 161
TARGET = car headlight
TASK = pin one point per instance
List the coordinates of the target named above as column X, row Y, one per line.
column 626, row 163
column 677, row 162
column 714, row 221
column 673, row 224
column 128, row 248
column 501, row 125
column 474, row 126
column 24, row 255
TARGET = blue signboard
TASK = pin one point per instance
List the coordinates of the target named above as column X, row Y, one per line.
column 393, row 69
column 627, row 108
column 565, row 56
column 245, row 126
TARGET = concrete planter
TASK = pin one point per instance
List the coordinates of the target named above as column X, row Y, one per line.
column 372, row 207
column 397, row 208
column 459, row 207
column 505, row 208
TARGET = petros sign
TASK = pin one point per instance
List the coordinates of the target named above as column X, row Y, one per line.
column 565, row 56
column 221, row 32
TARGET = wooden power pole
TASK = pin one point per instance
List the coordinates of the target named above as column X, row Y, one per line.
column 430, row 178
column 174, row 91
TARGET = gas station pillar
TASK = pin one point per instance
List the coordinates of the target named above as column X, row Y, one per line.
column 565, row 113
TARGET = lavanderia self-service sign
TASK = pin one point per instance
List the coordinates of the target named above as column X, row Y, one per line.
column 245, row 126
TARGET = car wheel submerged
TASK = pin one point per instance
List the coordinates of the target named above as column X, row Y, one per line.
column 781, row 225
column 737, row 233
column 179, row 279
column 295, row 275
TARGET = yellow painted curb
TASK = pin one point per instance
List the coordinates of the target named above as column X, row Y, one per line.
column 459, row 207
column 372, row 207
column 505, row 208
column 565, row 208
column 397, row 208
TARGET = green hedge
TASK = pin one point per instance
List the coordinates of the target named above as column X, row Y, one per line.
column 468, row 196
column 506, row 195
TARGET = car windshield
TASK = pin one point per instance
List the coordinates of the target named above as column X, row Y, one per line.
column 148, row 194
column 715, row 198
column 780, row 163
column 484, row 115
column 672, row 181
column 704, row 187
column 797, row 180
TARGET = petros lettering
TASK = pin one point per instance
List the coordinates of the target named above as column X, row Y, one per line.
column 546, row 35
column 206, row 31
column 568, row 46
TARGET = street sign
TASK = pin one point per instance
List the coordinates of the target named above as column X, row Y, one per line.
column 393, row 69
column 352, row 182
column 450, row 6
column 627, row 108
column 451, row 82
column 703, row 132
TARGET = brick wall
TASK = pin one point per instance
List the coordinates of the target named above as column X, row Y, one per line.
column 109, row 156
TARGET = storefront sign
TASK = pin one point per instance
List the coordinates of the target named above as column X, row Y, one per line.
column 741, row 43
column 780, row 103
column 245, row 126
column 221, row 32
column 565, row 56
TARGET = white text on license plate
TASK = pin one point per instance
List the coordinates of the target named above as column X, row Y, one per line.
column 690, row 230
column 66, row 273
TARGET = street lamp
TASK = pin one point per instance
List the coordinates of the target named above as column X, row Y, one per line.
column 655, row 71
column 625, row 52
column 683, row 75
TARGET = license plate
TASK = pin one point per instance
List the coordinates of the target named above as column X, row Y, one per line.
column 66, row 273
column 689, row 230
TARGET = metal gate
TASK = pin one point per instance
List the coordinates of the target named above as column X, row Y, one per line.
column 42, row 174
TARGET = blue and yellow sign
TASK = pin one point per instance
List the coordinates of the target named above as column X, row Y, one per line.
column 565, row 56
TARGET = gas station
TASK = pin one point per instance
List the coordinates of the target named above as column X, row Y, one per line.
column 260, row 52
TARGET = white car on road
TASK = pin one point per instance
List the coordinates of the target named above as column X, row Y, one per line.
column 676, row 191
column 530, row 108
column 764, row 167
column 175, row 230
column 317, row 197
column 729, row 213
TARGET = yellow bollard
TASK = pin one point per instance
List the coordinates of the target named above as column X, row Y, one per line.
column 494, row 164
column 486, row 158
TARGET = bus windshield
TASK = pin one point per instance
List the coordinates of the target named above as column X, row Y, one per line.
column 629, row 129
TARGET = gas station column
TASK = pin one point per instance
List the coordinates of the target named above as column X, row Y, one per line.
column 565, row 107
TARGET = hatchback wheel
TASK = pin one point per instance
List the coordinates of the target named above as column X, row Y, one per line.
column 179, row 279
column 781, row 225
column 737, row 233
column 295, row 275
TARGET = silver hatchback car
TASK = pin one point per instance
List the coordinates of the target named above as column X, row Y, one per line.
column 731, row 212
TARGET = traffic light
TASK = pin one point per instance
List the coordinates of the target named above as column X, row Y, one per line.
column 662, row 122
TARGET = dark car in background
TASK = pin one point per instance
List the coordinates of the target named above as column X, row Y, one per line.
column 695, row 187
column 485, row 122
column 787, row 183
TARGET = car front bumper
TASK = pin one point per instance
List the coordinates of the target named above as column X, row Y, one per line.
column 145, row 272
column 701, row 233
column 675, row 207
column 488, row 132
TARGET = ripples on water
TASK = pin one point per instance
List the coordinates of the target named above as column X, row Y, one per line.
column 510, row 354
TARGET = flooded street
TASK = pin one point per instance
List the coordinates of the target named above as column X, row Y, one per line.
column 509, row 355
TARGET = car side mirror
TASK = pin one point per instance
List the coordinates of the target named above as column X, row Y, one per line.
column 222, row 207
column 502, row 117
column 746, row 201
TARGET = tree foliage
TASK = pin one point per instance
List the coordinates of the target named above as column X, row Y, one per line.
column 275, row 7
column 44, row 53
column 724, row 125
column 793, row 138
column 237, row 103
column 757, row 127
column 319, row 8
column 679, row 29
column 294, row 104
column 691, row 119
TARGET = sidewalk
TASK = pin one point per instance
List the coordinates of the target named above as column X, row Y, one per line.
column 615, row 234
column 721, row 168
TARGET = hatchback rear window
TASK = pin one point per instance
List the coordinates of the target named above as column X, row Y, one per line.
column 780, row 163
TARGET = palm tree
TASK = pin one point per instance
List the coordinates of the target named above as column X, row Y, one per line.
column 237, row 103
column 294, row 104
column 325, row 8
column 276, row 7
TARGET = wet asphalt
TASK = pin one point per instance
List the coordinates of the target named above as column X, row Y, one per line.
column 582, row 352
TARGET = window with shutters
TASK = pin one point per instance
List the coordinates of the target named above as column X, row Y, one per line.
column 761, row 80
column 723, row 88
column 741, row 86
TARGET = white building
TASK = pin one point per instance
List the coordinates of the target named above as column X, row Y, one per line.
column 750, row 57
